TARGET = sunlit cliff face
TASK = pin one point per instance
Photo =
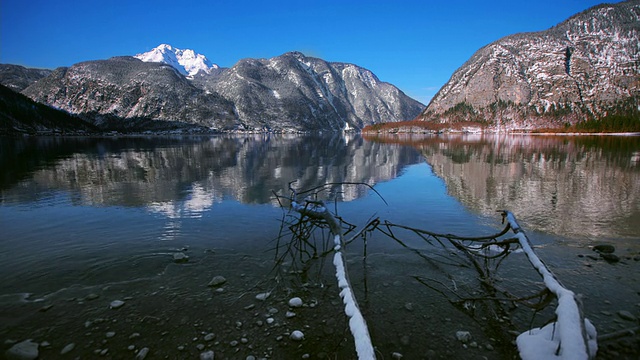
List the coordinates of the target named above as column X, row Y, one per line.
column 584, row 66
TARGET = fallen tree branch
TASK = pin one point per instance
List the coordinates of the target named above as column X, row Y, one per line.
column 571, row 336
column 620, row 334
column 568, row 336
column 357, row 324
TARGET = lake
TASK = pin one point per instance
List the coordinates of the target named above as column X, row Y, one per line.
column 86, row 221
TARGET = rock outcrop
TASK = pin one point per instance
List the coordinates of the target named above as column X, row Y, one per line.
column 21, row 115
column 125, row 93
column 18, row 78
column 584, row 68
column 296, row 91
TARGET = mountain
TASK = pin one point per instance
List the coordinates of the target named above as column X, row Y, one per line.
column 187, row 62
column 290, row 92
column 125, row 93
column 586, row 67
column 21, row 115
column 300, row 92
column 18, row 78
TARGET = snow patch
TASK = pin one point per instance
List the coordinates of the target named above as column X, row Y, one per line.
column 187, row 61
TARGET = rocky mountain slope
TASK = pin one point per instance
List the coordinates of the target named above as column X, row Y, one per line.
column 18, row 78
column 295, row 91
column 126, row 93
column 584, row 68
column 21, row 115
column 290, row 92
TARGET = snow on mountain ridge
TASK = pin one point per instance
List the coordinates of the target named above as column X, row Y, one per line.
column 187, row 61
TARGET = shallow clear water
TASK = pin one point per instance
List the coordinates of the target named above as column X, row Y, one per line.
column 105, row 216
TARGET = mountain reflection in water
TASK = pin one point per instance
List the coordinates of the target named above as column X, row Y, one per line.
column 185, row 176
column 577, row 186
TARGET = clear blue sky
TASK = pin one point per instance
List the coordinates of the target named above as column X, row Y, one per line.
column 415, row 45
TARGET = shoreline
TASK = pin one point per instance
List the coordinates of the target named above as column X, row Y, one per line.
column 370, row 133
column 363, row 133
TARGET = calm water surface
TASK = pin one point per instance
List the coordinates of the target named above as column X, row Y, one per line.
column 84, row 221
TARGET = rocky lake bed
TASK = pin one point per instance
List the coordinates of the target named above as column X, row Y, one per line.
column 250, row 310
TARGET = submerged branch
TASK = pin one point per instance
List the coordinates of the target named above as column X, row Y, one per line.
column 569, row 336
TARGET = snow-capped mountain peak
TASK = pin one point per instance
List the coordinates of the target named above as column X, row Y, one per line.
column 187, row 61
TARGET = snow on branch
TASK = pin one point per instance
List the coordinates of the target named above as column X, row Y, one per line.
column 357, row 323
column 571, row 336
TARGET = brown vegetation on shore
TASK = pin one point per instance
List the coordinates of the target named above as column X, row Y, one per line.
column 608, row 124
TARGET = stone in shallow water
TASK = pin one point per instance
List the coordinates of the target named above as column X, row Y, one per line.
column 217, row 281
column 115, row 304
column 180, row 257
column 610, row 258
column 46, row 308
column 295, row 302
column 207, row 355
column 604, row 248
column 67, row 348
column 25, row 350
column 263, row 296
column 463, row 336
column 296, row 335
column 626, row 315
column 142, row 353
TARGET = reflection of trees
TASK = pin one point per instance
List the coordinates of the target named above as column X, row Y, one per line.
column 183, row 175
column 566, row 185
